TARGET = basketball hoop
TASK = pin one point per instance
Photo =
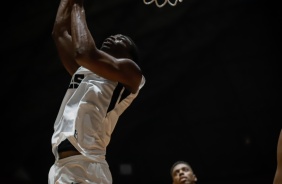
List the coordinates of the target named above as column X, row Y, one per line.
column 147, row 2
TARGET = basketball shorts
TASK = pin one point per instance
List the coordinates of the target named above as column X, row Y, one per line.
column 79, row 169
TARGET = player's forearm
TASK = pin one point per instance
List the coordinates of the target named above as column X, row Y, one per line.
column 83, row 41
column 63, row 18
column 62, row 36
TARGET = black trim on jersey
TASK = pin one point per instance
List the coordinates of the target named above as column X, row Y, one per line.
column 116, row 94
column 124, row 94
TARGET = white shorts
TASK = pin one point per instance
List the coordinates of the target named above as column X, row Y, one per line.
column 79, row 169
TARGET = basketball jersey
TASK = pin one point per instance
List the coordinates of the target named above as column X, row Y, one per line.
column 89, row 112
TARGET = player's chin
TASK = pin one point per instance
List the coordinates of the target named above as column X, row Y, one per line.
column 189, row 182
column 105, row 48
column 185, row 181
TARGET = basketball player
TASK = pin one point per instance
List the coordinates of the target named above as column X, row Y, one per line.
column 104, row 83
column 182, row 173
column 278, row 174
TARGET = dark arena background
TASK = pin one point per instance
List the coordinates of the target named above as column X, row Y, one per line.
column 212, row 92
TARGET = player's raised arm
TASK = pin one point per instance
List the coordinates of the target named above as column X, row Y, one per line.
column 62, row 36
column 113, row 61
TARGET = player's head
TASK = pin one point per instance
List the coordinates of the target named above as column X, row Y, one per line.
column 121, row 46
column 182, row 173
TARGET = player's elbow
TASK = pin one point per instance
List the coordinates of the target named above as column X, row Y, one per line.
column 81, row 55
column 84, row 54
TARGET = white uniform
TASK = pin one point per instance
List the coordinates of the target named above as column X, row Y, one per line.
column 87, row 117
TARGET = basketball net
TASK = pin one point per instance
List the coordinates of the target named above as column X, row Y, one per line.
column 147, row 2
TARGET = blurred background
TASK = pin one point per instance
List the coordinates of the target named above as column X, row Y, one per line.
column 211, row 96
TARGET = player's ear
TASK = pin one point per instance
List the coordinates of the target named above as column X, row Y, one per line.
column 195, row 178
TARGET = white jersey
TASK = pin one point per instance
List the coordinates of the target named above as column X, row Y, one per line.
column 89, row 113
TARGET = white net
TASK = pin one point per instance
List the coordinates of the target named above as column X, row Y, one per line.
column 147, row 2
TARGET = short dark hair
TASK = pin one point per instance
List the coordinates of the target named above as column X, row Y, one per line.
column 134, row 51
column 176, row 163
